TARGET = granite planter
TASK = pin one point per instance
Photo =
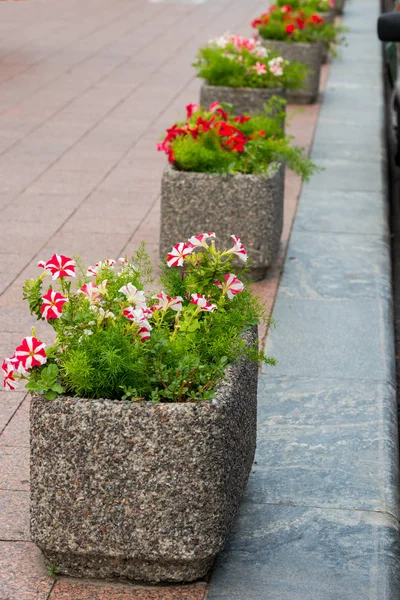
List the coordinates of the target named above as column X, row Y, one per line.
column 140, row 491
column 339, row 6
column 243, row 100
column 250, row 206
column 309, row 54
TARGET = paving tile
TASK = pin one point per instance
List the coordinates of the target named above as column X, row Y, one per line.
column 282, row 552
column 14, row 468
column 331, row 265
column 347, row 175
column 353, row 340
column 342, row 212
column 326, row 443
column 22, row 573
column 66, row 590
column 9, row 402
column 16, row 433
column 14, row 516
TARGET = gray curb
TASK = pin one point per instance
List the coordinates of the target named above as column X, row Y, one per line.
column 320, row 518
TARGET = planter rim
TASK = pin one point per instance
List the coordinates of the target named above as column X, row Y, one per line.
column 231, row 87
column 293, row 43
column 171, row 169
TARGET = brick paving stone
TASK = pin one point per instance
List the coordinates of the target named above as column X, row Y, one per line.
column 66, row 590
column 16, row 432
column 14, row 468
column 22, row 573
column 14, row 508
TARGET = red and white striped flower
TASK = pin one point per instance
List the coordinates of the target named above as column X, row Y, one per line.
column 202, row 303
column 132, row 294
column 260, row 68
column 137, row 315
column 92, row 292
column 95, row 270
column 196, row 241
column 59, row 266
column 52, row 305
column 9, row 382
column 230, row 286
column 31, row 353
column 177, row 255
column 165, row 302
column 238, row 249
column 144, row 334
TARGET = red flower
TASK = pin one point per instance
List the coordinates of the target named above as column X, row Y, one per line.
column 204, row 125
column 290, row 28
column 237, row 143
column 317, row 19
column 53, row 303
column 241, row 119
column 224, row 129
column 31, row 353
column 286, row 8
column 215, row 107
column 300, row 23
column 59, row 266
column 191, row 109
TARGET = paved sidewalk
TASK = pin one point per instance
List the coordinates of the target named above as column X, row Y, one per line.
column 85, row 93
column 320, row 520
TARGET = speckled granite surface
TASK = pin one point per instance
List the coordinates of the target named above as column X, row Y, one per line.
column 141, row 491
column 250, row 206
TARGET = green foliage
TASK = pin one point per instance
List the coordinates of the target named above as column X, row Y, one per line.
column 32, row 292
column 233, row 65
column 45, row 381
column 266, row 146
column 99, row 351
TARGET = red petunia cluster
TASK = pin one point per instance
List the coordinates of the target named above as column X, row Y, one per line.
column 215, row 120
column 292, row 18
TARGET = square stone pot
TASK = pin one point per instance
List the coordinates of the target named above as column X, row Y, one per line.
column 339, row 6
column 141, row 491
column 249, row 206
column 243, row 100
column 329, row 18
column 309, row 54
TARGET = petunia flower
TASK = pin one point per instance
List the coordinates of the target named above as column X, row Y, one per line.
column 52, row 305
column 202, row 303
column 9, row 383
column 102, row 287
column 133, row 295
column 290, row 28
column 191, row 109
column 31, row 353
column 136, row 315
column 144, row 334
column 93, row 271
column 165, row 302
column 59, row 266
column 177, row 255
column 238, row 249
column 260, row 68
column 197, row 241
column 230, row 286
column 92, row 292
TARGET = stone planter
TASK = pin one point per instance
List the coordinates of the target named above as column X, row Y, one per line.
column 329, row 18
column 339, row 6
column 309, row 54
column 250, row 206
column 243, row 100
column 140, row 491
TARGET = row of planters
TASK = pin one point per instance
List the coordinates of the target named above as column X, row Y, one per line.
column 143, row 412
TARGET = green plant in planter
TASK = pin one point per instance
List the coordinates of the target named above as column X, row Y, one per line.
column 290, row 24
column 234, row 61
column 214, row 141
column 115, row 341
column 311, row 5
